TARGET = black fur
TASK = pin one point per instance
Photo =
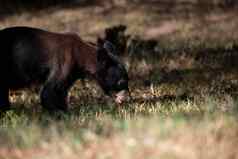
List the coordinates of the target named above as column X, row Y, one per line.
column 33, row 56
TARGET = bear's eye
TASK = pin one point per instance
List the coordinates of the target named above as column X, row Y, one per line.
column 122, row 83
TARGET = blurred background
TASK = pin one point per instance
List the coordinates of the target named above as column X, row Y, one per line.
column 181, row 56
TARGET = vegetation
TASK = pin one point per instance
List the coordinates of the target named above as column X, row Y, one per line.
column 184, row 94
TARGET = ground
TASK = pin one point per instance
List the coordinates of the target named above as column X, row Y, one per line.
column 184, row 97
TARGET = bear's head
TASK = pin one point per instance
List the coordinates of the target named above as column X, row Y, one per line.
column 111, row 74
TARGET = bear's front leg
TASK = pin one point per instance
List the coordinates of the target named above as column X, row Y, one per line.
column 54, row 96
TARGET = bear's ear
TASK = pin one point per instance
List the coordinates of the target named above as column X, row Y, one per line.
column 122, row 28
column 109, row 47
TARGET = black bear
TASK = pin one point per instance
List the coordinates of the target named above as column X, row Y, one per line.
column 56, row 60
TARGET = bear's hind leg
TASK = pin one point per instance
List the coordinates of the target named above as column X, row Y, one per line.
column 4, row 99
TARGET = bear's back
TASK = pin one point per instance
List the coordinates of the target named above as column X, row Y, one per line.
column 27, row 53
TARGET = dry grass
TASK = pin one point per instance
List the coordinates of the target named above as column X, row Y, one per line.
column 182, row 107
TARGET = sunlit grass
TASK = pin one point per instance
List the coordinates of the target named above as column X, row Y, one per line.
column 181, row 107
column 160, row 128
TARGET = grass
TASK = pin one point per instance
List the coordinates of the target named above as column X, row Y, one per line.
column 173, row 129
column 170, row 128
column 184, row 100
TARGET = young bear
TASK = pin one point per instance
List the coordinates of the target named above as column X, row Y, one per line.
column 34, row 56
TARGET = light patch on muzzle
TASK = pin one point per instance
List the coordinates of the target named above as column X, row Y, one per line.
column 121, row 97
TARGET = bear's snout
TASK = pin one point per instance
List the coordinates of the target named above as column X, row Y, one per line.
column 122, row 97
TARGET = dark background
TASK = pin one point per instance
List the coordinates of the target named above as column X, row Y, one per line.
column 18, row 6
